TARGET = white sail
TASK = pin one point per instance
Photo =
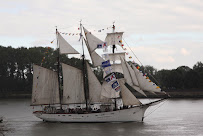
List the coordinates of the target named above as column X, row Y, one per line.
column 130, row 77
column 132, row 74
column 116, row 56
column 144, row 83
column 94, row 86
column 114, row 38
column 92, row 40
column 117, row 68
column 73, row 89
column 108, row 91
column 126, row 73
column 114, row 68
column 45, row 88
column 65, row 47
column 127, row 97
column 96, row 59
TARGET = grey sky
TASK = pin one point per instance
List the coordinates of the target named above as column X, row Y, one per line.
column 162, row 33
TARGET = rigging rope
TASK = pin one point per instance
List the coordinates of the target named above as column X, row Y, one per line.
column 155, row 109
column 140, row 61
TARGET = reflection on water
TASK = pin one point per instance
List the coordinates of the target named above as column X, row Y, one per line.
column 178, row 117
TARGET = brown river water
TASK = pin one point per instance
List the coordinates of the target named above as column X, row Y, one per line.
column 174, row 117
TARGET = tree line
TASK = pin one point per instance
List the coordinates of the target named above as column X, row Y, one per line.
column 16, row 70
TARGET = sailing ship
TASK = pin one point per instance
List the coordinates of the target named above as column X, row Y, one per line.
column 82, row 97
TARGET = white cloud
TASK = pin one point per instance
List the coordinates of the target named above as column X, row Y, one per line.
column 184, row 52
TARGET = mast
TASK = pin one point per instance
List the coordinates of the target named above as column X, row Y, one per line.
column 83, row 69
column 58, row 70
column 113, row 48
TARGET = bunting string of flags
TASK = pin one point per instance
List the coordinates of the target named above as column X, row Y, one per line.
column 103, row 45
column 72, row 34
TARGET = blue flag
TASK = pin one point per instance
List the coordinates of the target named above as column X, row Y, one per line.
column 99, row 45
column 115, row 85
column 106, row 64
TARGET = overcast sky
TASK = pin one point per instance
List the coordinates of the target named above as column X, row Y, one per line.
column 162, row 33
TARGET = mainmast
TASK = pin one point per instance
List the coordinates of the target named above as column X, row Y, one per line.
column 83, row 68
column 58, row 70
column 114, row 46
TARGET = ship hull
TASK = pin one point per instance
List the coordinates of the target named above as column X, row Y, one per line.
column 124, row 115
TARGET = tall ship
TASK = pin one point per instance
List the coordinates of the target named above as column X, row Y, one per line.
column 76, row 95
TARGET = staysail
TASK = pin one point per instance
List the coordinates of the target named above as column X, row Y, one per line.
column 94, row 86
column 145, row 84
column 45, row 88
column 130, row 77
column 73, row 90
column 96, row 59
column 65, row 47
column 127, row 97
column 93, row 41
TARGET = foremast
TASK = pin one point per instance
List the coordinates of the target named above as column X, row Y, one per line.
column 113, row 50
column 58, row 71
column 84, row 69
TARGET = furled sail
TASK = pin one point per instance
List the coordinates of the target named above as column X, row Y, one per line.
column 73, row 90
column 114, row 38
column 65, row 47
column 45, row 88
column 93, row 41
column 130, row 77
column 127, row 97
column 145, row 84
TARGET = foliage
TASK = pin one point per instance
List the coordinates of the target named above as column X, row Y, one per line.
column 16, row 70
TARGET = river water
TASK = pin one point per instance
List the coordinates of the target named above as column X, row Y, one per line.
column 175, row 117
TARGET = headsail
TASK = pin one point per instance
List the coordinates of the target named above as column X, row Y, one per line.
column 65, row 47
column 145, row 83
column 126, row 73
column 73, row 90
column 114, row 38
column 45, row 88
column 130, row 77
column 127, row 97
